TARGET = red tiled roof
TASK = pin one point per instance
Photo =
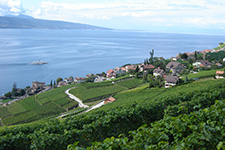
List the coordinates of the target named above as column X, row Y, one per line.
column 219, row 72
column 109, row 100
column 149, row 67
column 110, row 71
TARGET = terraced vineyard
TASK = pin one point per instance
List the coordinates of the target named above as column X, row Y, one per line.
column 183, row 117
column 202, row 74
column 96, row 93
column 37, row 107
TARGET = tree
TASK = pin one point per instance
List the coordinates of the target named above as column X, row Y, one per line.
column 22, row 92
column 151, row 59
column 137, row 69
column 51, row 83
column 54, row 83
column 184, row 56
column 196, row 56
column 8, row 95
column 146, row 61
column 58, row 80
column 14, row 89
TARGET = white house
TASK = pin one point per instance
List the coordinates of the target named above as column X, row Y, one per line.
column 171, row 81
column 79, row 80
column 158, row 72
column 223, row 59
column 219, row 74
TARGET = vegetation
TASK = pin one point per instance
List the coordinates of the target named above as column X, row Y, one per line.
column 95, row 92
column 178, row 117
column 221, row 45
column 37, row 107
column 130, row 83
column 217, row 56
column 202, row 74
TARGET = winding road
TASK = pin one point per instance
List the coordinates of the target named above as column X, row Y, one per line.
column 81, row 104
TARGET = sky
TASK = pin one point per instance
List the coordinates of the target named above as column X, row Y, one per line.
column 187, row 16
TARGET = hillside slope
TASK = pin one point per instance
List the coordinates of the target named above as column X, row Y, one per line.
column 133, row 109
column 27, row 22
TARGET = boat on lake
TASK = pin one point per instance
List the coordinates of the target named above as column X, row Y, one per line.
column 40, row 62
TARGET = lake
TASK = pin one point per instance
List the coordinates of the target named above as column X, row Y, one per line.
column 79, row 52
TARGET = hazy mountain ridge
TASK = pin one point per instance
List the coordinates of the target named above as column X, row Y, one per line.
column 27, row 22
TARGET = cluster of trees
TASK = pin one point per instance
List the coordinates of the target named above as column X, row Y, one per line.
column 15, row 92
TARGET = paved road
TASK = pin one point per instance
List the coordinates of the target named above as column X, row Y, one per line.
column 95, row 106
column 75, row 98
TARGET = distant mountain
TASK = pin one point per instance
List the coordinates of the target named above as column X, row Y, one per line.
column 27, row 22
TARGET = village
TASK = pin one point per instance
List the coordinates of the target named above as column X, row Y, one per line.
column 157, row 71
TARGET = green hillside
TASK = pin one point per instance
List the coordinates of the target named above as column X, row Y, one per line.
column 189, row 116
column 37, row 107
column 218, row 55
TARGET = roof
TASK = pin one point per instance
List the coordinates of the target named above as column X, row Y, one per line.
column 36, row 82
column 220, row 72
column 149, row 67
column 80, row 78
column 109, row 100
column 173, row 64
column 171, row 79
column 158, row 70
column 218, row 64
column 205, row 62
column 110, row 71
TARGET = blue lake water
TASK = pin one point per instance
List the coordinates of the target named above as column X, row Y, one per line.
column 79, row 52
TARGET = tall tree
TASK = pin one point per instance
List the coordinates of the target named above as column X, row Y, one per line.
column 51, row 83
column 151, row 57
column 58, row 80
column 14, row 89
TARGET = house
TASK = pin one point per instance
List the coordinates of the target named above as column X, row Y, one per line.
column 111, row 74
column 79, row 80
column 109, row 100
column 119, row 70
column 175, row 67
column 159, row 72
column 99, row 79
column 196, row 64
column 191, row 57
column 219, row 64
column 37, row 84
column 161, row 58
column 89, row 75
column 171, row 81
column 203, row 63
column 173, row 58
column 145, row 68
column 223, row 59
column 68, row 80
column 130, row 67
column 61, row 83
column 219, row 74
